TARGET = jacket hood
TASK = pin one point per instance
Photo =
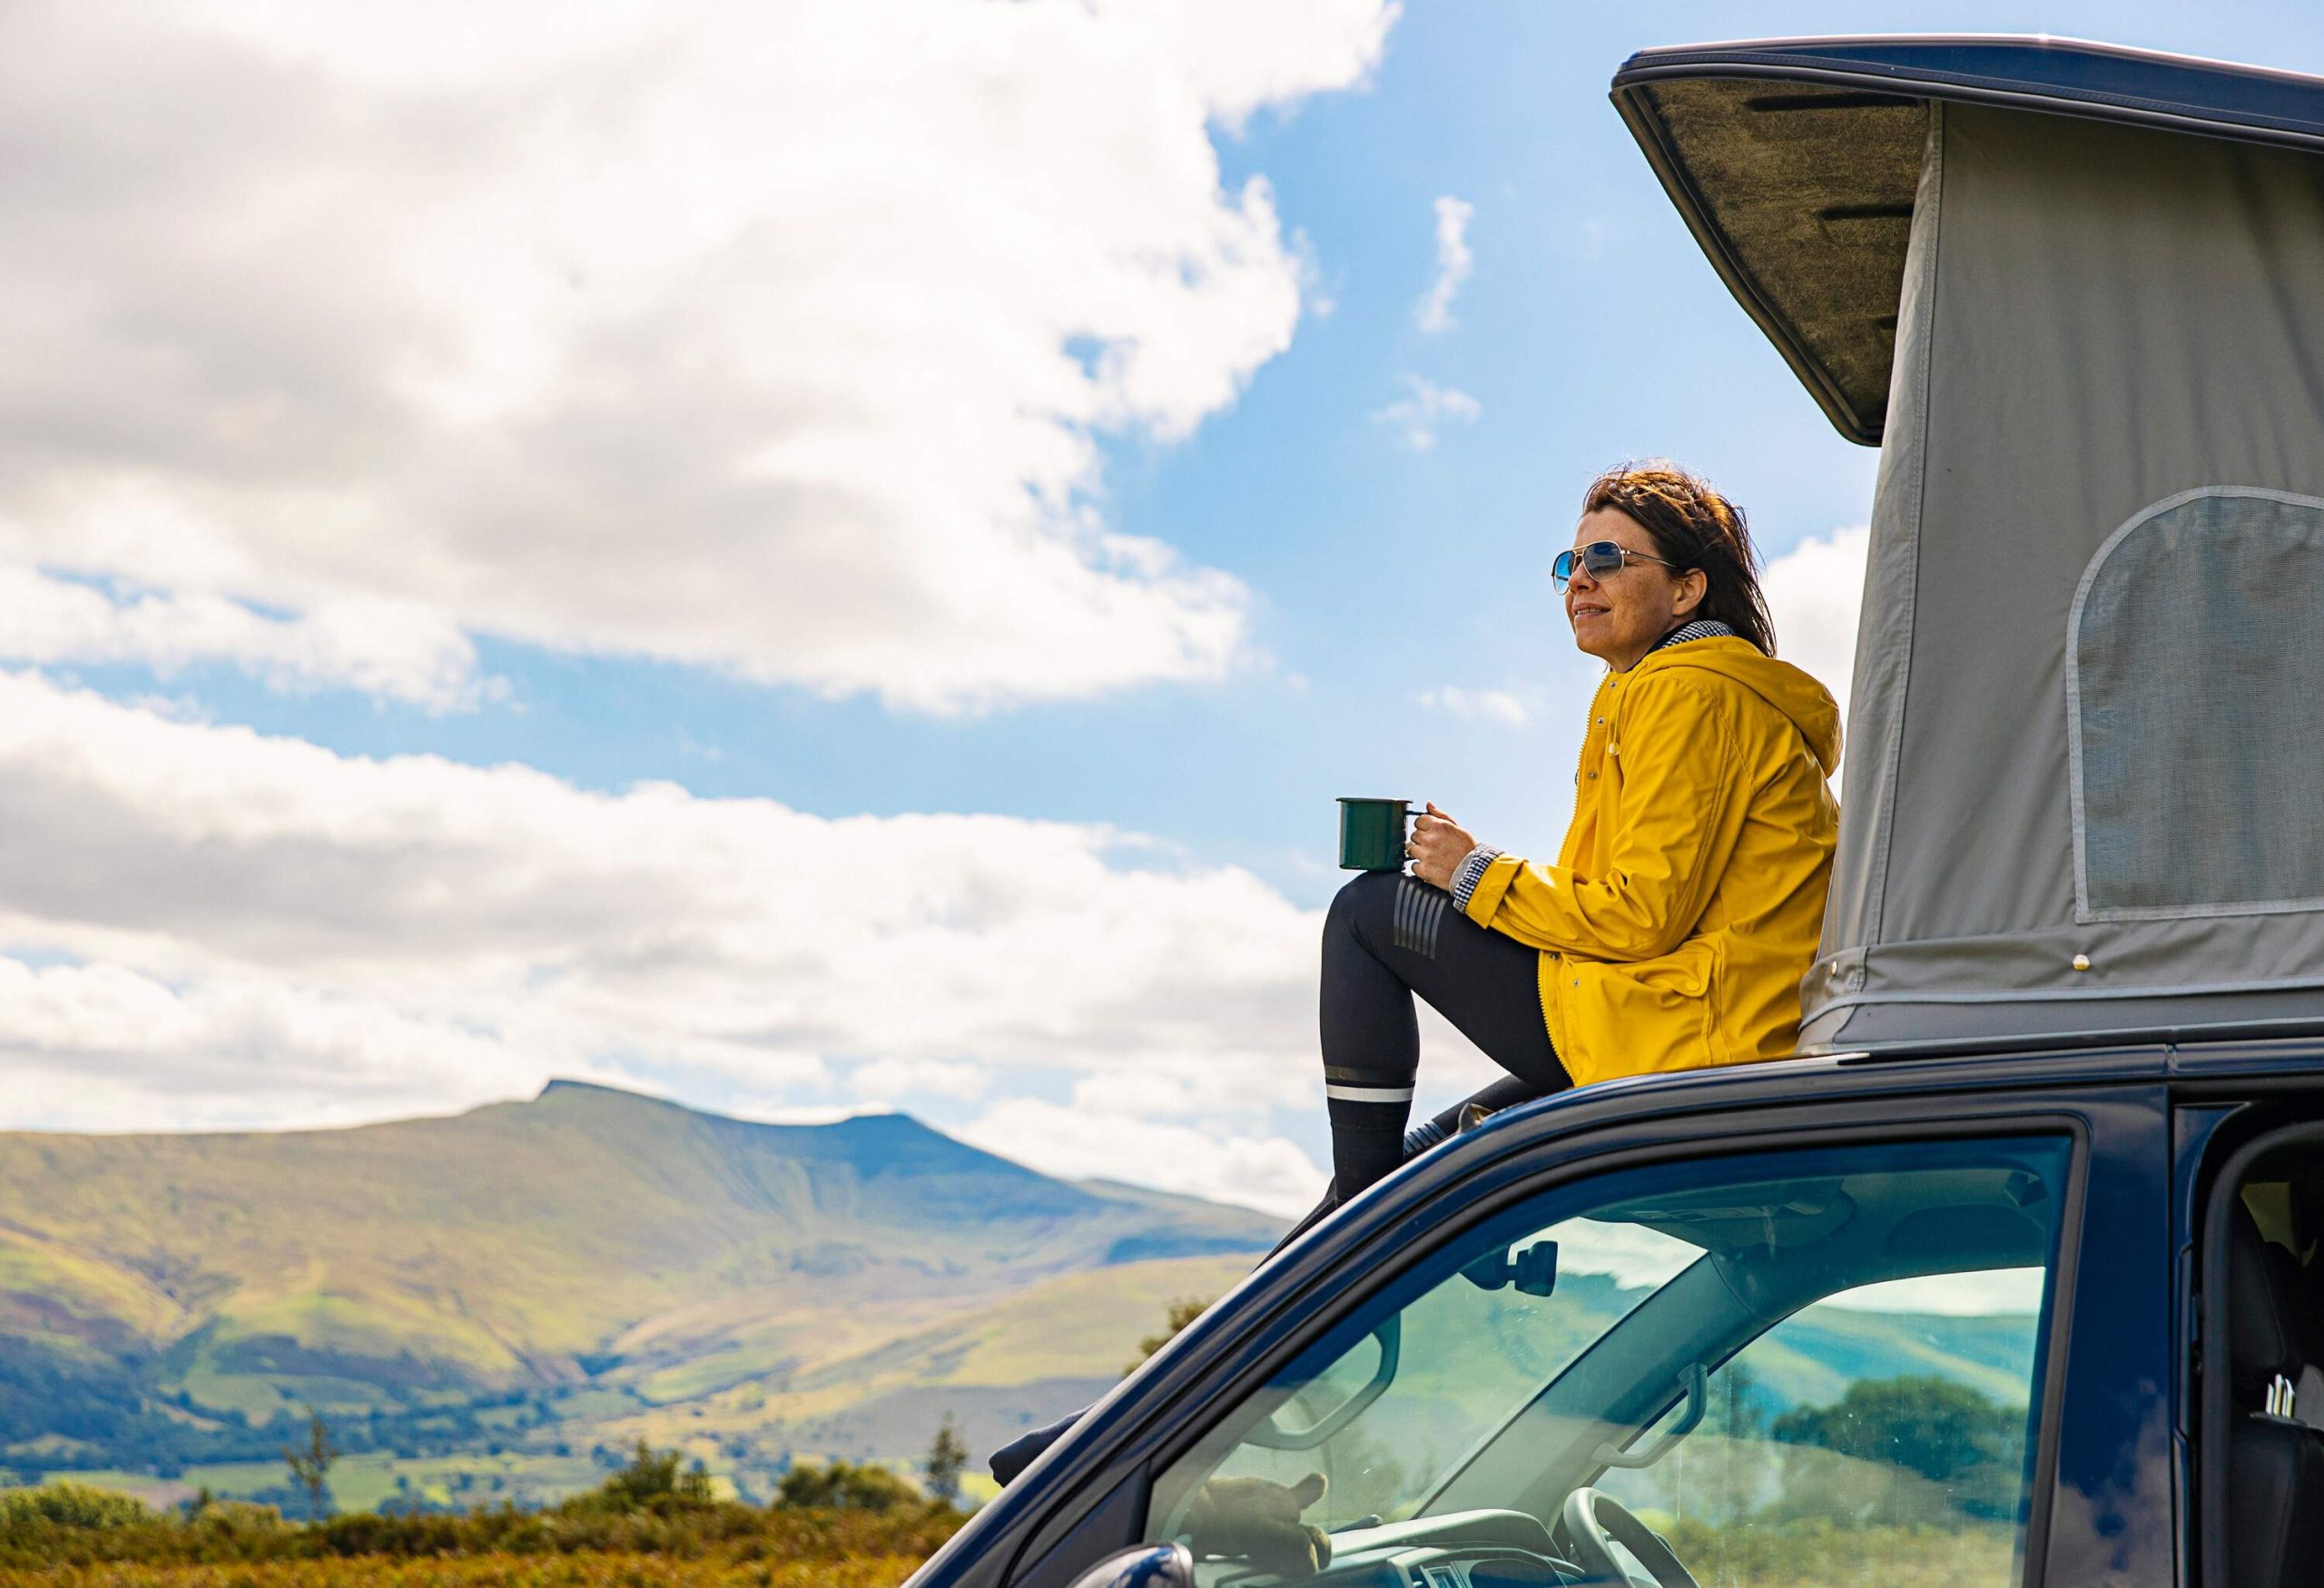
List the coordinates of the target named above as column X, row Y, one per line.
column 1809, row 704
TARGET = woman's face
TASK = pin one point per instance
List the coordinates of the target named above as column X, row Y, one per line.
column 1619, row 618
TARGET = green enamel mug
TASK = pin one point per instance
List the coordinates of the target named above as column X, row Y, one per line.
column 1372, row 834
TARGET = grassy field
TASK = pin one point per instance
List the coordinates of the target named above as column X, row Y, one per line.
column 1815, row 1556
column 831, row 1550
column 364, row 1483
column 649, row 1525
column 578, row 1571
column 656, row 1526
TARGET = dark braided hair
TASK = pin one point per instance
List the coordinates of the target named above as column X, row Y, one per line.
column 1695, row 527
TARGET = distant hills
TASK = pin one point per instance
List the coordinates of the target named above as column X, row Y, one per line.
column 496, row 1304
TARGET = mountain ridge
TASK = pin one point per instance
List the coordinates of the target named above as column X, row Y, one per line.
column 593, row 1254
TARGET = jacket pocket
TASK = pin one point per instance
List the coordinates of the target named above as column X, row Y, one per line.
column 1631, row 1019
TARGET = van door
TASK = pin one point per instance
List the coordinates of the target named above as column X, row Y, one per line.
column 2259, row 1446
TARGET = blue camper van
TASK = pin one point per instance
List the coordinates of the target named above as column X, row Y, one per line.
column 2012, row 1276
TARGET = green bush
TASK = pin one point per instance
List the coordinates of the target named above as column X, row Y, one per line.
column 655, row 1480
column 653, row 1509
column 73, row 1505
column 239, row 1519
column 845, row 1487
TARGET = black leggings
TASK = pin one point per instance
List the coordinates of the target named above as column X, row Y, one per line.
column 1389, row 936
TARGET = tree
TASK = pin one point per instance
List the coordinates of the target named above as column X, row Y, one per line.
column 655, row 1480
column 1934, row 1426
column 1970, row 1447
column 947, row 1457
column 1182, row 1313
column 310, row 1467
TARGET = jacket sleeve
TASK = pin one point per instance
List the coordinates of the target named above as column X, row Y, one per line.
column 1678, row 825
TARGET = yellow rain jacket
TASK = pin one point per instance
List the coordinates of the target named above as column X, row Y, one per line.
column 1685, row 903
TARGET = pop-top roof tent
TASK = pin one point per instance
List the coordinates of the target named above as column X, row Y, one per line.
column 2076, row 294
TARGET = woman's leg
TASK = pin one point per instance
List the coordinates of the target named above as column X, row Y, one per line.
column 1479, row 1105
column 1485, row 1102
column 1389, row 936
column 1482, row 982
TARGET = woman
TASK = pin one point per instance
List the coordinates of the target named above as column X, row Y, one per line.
column 1685, row 905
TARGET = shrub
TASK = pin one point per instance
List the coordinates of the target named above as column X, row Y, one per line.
column 845, row 1487
column 655, row 1480
column 70, row 1505
column 226, row 1530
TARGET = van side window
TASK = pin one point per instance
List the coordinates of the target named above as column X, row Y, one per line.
column 1807, row 1367
column 1887, row 1423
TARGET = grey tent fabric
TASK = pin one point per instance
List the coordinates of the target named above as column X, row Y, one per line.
column 2105, row 447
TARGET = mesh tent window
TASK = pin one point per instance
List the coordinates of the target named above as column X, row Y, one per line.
column 2195, row 710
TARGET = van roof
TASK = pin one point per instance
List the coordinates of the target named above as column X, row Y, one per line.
column 1796, row 163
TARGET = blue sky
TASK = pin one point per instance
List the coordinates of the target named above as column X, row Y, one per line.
column 1590, row 332
column 1370, row 576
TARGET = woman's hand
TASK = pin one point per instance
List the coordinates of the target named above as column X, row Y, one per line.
column 1437, row 847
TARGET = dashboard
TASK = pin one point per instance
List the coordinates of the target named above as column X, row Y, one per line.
column 1467, row 1549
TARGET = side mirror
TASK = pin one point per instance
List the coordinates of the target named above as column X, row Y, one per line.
column 1149, row 1565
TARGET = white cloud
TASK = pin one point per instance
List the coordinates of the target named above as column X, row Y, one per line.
column 232, row 929
column 798, row 1113
column 393, row 650
column 774, row 340
column 1429, row 408
column 1980, row 1294
column 1076, row 1143
column 1454, row 263
column 105, row 1047
column 905, row 1082
column 201, row 926
column 1814, row 591
column 1495, row 705
column 1632, row 1254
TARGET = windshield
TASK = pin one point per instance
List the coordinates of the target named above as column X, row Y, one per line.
column 1466, row 1359
column 1747, row 1354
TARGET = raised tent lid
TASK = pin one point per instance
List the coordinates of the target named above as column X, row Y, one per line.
column 2076, row 293
column 1795, row 163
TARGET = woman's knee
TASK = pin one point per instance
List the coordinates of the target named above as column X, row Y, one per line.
column 1366, row 896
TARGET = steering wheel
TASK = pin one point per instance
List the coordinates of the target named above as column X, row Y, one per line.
column 1595, row 1522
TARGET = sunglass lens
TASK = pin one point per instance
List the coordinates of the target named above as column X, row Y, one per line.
column 1561, row 569
column 1601, row 557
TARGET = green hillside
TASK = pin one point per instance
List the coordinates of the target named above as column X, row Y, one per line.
column 527, row 1288
column 498, row 1305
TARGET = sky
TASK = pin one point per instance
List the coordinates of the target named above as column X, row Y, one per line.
column 823, row 557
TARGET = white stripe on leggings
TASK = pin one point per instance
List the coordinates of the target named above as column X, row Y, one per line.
column 1369, row 1094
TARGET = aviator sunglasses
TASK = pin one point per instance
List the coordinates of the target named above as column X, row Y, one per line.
column 1599, row 559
